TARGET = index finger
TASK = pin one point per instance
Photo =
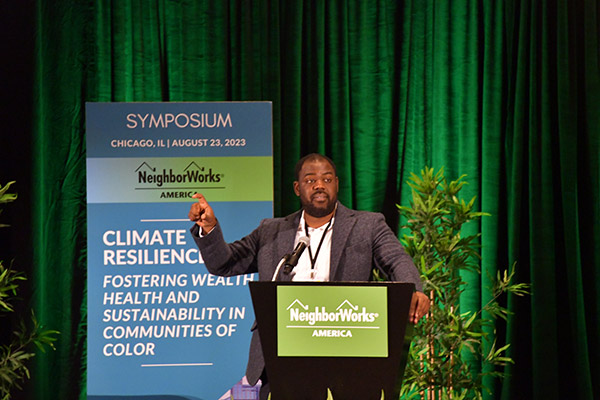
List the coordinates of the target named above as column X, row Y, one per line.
column 413, row 305
column 201, row 198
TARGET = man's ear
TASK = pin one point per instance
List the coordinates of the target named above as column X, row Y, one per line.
column 297, row 188
column 337, row 185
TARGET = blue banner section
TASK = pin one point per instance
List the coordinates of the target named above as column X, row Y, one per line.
column 159, row 325
column 189, row 129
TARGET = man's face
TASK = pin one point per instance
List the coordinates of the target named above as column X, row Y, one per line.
column 317, row 188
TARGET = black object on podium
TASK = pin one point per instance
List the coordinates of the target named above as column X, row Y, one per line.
column 348, row 378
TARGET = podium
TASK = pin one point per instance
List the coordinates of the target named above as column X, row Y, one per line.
column 349, row 337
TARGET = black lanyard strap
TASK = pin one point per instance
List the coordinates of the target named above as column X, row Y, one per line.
column 313, row 260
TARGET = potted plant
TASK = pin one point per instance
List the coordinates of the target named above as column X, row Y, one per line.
column 447, row 337
column 17, row 350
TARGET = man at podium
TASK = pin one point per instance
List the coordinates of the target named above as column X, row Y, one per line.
column 341, row 245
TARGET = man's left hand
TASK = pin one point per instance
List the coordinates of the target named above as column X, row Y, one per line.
column 419, row 306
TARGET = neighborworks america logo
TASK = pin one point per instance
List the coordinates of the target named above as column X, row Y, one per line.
column 192, row 177
column 191, row 174
column 351, row 316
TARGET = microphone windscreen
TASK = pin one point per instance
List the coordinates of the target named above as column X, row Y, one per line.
column 305, row 240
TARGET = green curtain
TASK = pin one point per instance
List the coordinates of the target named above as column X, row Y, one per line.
column 507, row 92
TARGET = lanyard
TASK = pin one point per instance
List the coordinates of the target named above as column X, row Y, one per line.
column 313, row 260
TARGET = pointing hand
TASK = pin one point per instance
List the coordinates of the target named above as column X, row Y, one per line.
column 202, row 213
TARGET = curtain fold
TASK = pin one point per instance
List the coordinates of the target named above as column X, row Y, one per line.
column 507, row 93
column 549, row 70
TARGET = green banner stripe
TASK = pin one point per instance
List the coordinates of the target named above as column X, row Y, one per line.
column 155, row 180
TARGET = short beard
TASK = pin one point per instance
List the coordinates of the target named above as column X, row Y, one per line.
column 319, row 212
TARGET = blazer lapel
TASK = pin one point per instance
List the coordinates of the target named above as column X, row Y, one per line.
column 285, row 240
column 344, row 222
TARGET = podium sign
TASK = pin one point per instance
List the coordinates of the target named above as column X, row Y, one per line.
column 339, row 321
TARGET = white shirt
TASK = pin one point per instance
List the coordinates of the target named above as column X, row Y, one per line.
column 304, row 271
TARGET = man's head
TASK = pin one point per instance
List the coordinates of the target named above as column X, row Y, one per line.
column 316, row 184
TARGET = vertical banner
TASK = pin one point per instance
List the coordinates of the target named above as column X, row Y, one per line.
column 159, row 325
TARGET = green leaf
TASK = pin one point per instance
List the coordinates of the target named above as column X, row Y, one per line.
column 7, row 197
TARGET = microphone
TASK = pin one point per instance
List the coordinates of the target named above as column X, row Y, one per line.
column 293, row 258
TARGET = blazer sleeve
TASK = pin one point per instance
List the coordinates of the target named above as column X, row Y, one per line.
column 227, row 259
column 390, row 257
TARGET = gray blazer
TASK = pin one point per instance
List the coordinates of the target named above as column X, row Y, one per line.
column 360, row 241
